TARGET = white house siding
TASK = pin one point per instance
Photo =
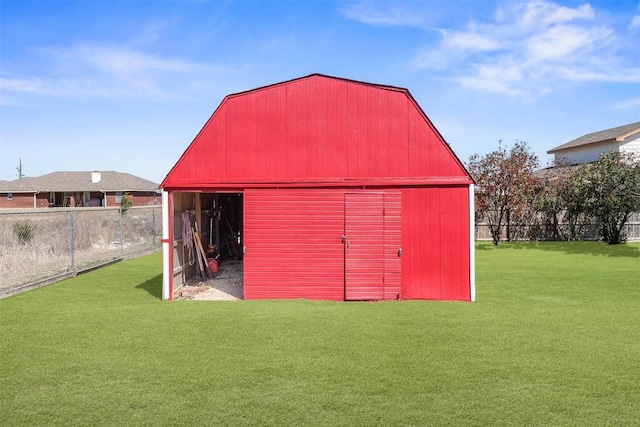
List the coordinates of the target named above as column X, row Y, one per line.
column 586, row 154
column 632, row 145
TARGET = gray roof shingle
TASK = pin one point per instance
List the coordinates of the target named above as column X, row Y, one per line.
column 607, row 135
column 78, row 181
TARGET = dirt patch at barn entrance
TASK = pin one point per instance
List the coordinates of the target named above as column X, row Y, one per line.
column 227, row 285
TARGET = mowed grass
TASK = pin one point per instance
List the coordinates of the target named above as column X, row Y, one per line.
column 553, row 339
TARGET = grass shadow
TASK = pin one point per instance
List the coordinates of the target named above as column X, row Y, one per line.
column 153, row 286
column 591, row 248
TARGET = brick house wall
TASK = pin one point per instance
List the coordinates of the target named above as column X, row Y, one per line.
column 146, row 199
column 141, row 198
column 42, row 200
column 25, row 200
column 18, row 200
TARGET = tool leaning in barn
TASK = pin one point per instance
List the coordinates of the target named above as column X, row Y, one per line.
column 202, row 256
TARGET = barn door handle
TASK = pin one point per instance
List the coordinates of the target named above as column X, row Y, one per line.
column 399, row 252
column 345, row 241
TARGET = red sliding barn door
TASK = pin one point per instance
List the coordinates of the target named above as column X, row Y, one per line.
column 293, row 242
column 372, row 246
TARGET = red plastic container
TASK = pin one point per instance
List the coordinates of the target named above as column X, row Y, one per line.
column 213, row 264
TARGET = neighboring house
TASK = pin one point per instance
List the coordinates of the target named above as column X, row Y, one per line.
column 333, row 189
column 589, row 147
column 77, row 189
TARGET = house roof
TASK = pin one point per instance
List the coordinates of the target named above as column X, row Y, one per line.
column 78, row 181
column 608, row 135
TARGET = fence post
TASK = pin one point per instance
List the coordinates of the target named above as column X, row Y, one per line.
column 72, row 239
column 121, row 233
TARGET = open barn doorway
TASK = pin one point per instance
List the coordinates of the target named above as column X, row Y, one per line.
column 208, row 245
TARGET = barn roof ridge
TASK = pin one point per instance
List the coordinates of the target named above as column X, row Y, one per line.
column 345, row 79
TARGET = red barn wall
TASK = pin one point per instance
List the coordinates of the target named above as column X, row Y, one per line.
column 293, row 241
column 296, row 149
column 294, row 246
column 435, row 226
column 316, row 129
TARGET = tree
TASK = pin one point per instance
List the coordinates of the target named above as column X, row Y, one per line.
column 125, row 202
column 506, row 187
column 561, row 199
column 611, row 187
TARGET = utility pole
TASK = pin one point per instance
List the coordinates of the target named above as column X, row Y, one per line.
column 20, row 169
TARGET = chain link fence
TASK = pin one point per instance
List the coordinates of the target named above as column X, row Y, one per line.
column 40, row 247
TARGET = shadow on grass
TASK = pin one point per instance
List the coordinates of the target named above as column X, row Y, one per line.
column 153, row 286
column 592, row 248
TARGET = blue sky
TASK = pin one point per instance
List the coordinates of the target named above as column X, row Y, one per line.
column 126, row 86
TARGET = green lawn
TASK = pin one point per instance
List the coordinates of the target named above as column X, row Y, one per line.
column 553, row 339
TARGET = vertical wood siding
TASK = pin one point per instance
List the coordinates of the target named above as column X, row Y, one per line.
column 435, row 228
column 315, row 129
column 329, row 137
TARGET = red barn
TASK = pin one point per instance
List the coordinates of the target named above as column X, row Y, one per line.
column 326, row 188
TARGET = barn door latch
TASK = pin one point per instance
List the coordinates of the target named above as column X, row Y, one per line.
column 399, row 252
column 345, row 241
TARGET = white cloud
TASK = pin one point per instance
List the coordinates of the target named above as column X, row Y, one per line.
column 544, row 14
column 628, row 105
column 635, row 22
column 469, row 41
column 564, row 40
column 118, row 60
column 370, row 13
column 610, row 74
column 104, row 71
column 527, row 49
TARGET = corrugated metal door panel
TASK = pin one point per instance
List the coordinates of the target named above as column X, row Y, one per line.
column 293, row 242
column 364, row 253
column 392, row 245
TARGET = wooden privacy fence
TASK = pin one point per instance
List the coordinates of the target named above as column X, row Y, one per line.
column 43, row 246
column 544, row 230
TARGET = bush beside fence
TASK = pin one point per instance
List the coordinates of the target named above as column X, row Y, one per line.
column 41, row 246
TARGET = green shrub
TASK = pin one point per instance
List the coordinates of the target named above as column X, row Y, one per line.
column 23, row 231
column 125, row 202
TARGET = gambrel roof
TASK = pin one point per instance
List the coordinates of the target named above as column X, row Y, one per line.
column 317, row 129
column 618, row 134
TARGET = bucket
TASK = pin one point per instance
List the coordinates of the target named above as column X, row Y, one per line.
column 213, row 265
